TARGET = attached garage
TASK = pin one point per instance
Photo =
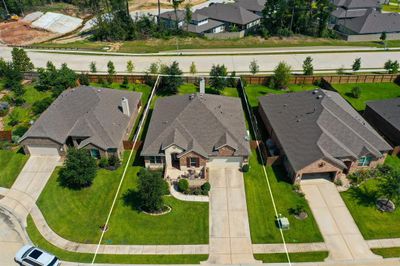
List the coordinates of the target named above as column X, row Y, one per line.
column 42, row 151
column 225, row 162
column 324, row 175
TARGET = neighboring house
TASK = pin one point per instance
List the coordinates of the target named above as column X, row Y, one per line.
column 199, row 24
column 370, row 26
column 95, row 119
column 319, row 135
column 347, row 9
column 384, row 115
column 255, row 6
column 196, row 131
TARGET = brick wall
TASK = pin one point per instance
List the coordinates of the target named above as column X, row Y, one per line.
column 184, row 158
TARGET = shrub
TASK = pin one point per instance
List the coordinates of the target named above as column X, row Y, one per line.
column 125, row 83
column 356, row 92
column 5, row 145
column 20, row 130
column 197, row 191
column 151, row 187
column 84, row 79
column 165, row 188
column 40, row 106
column 114, row 161
column 245, row 168
column 103, row 163
column 206, row 187
column 282, row 74
column 183, row 185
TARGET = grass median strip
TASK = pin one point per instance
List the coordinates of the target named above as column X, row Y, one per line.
column 38, row 240
column 316, row 256
column 387, row 252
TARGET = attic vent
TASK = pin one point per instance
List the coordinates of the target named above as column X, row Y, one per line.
column 319, row 97
column 315, row 92
column 191, row 96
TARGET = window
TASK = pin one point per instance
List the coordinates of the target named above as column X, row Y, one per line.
column 194, row 162
column 364, row 161
column 95, row 153
column 156, row 159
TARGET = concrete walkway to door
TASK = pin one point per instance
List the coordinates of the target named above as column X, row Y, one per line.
column 230, row 241
column 22, row 196
column 342, row 236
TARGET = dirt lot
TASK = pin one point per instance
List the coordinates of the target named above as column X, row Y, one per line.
column 151, row 4
column 20, row 33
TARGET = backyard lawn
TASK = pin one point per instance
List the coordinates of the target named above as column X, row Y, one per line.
column 84, row 211
column 11, row 163
column 255, row 91
column 38, row 240
column 316, row 256
column 369, row 92
column 261, row 213
column 188, row 88
column 372, row 223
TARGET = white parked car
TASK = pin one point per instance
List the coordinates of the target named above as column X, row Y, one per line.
column 32, row 256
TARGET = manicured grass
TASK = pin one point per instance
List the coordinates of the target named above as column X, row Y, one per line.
column 78, row 215
column 38, row 240
column 32, row 95
column 255, row 91
column 372, row 223
column 261, row 213
column 188, row 88
column 143, row 88
column 391, row 8
column 387, row 252
column 11, row 164
column 369, row 92
column 316, row 256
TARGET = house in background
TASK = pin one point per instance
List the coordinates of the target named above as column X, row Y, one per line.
column 319, row 135
column 384, row 116
column 255, row 6
column 192, row 132
column 348, row 9
column 95, row 119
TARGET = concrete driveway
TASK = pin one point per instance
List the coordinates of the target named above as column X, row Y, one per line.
column 230, row 241
column 342, row 236
column 29, row 184
column 12, row 238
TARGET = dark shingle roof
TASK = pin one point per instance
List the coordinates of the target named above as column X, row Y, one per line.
column 342, row 13
column 320, row 124
column 349, row 4
column 252, row 5
column 89, row 112
column 229, row 13
column 211, row 24
column 200, row 124
column 373, row 22
column 171, row 15
column 388, row 109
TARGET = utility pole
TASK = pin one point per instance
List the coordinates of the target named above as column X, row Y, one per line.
column 159, row 13
column 5, row 7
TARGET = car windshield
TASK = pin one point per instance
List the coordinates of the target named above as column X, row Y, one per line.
column 53, row 262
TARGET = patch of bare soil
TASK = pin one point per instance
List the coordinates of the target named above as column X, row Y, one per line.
column 20, row 33
column 151, row 4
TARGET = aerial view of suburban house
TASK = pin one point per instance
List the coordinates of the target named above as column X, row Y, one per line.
column 348, row 9
column 195, row 131
column 319, row 135
column 215, row 18
column 255, row 6
column 384, row 115
column 95, row 119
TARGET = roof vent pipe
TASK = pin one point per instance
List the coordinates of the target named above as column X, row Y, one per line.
column 125, row 107
column 202, row 86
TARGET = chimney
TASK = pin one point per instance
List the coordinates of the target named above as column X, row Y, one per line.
column 125, row 107
column 202, row 86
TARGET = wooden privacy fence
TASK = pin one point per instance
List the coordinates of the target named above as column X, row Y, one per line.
column 5, row 136
column 128, row 145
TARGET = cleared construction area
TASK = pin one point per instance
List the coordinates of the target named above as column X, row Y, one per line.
column 57, row 23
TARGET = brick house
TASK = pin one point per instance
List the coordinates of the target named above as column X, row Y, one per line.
column 195, row 131
column 319, row 135
column 95, row 119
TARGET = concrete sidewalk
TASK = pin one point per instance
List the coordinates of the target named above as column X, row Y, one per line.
column 342, row 236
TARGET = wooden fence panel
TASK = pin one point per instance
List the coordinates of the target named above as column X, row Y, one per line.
column 5, row 136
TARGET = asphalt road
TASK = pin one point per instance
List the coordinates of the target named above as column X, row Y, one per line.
column 236, row 62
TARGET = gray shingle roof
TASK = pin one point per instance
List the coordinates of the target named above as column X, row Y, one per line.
column 388, row 109
column 89, row 112
column 200, row 124
column 231, row 13
column 342, row 13
column 171, row 15
column 211, row 24
column 349, row 4
column 252, row 5
column 310, row 128
column 373, row 22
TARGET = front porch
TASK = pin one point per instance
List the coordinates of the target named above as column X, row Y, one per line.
column 195, row 176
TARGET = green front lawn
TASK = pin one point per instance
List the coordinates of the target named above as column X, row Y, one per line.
column 38, row 240
column 369, row 92
column 387, row 252
column 316, row 256
column 261, row 213
column 78, row 215
column 372, row 223
column 255, row 91
column 11, row 164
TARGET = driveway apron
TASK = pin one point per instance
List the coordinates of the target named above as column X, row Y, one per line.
column 230, row 241
column 342, row 236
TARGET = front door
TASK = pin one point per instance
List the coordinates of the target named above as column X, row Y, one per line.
column 175, row 161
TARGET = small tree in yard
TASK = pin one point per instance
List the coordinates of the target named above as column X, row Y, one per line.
column 254, row 67
column 308, row 68
column 218, row 75
column 389, row 186
column 171, row 83
column 356, row 92
column 392, row 66
column 383, row 38
column 193, row 69
column 84, row 79
column 79, row 169
column 20, row 60
column 130, row 66
column 110, row 71
column 282, row 74
column 356, row 65
column 150, row 190
column 93, row 67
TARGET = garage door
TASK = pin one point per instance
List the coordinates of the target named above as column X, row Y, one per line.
column 327, row 176
column 225, row 162
column 43, row 151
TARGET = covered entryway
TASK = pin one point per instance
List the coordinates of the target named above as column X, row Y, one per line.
column 225, row 162
column 42, row 151
column 324, row 175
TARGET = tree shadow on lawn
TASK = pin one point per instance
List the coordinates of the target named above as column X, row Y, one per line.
column 131, row 199
column 364, row 196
